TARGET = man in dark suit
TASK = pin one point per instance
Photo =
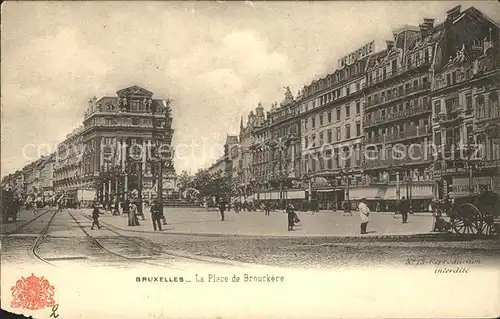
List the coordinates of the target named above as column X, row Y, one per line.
column 404, row 208
column 125, row 206
column 95, row 217
column 156, row 215
column 222, row 208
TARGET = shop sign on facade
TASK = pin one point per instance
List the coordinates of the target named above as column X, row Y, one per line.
column 460, row 185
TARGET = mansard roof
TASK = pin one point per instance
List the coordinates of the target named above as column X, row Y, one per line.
column 375, row 57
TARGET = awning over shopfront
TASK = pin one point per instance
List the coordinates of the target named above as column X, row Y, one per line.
column 329, row 190
column 389, row 192
column 269, row 195
column 295, row 194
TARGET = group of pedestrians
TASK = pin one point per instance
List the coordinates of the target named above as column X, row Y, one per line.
column 130, row 209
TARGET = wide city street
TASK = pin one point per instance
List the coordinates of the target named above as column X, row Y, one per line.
column 196, row 237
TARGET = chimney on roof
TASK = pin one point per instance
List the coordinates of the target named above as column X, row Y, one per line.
column 424, row 31
column 390, row 45
column 453, row 13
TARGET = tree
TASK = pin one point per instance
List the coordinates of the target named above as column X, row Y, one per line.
column 211, row 184
column 184, row 180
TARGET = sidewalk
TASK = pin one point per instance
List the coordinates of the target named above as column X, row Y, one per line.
column 200, row 222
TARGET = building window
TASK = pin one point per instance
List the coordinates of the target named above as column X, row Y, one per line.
column 437, row 138
column 347, row 90
column 329, row 136
column 357, row 86
column 347, row 110
column 329, row 117
column 357, row 154
column 135, row 121
column 313, row 122
column 321, row 140
column 358, row 107
column 321, row 119
column 358, row 129
column 338, row 134
column 437, row 107
column 348, row 131
column 313, row 140
column 468, row 103
column 338, row 114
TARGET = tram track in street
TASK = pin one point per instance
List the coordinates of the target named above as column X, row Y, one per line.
column 148, row 244
column 26, row 223
column 97, row 244
column 39, row 240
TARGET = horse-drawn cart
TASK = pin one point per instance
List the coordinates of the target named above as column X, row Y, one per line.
column 476, row 215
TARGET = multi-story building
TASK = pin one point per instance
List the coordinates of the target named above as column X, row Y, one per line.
column 244, row 167
column 124, row 139
column 331, row 112
column 275, row 152
column 224, row 163
column 31, row 180
column 466, row 114
column 46, row 180
column 397, row 118
column 69, row 175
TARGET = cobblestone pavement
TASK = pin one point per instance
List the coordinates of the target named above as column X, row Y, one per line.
column 198, row 221
column 67, row 243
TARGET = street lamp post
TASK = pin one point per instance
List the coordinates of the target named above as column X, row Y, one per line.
column 347, row 175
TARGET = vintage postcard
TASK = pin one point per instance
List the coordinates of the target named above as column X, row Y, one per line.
column 250, row 159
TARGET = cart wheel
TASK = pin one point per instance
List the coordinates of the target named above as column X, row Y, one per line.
column 467, row 220
column 488, row 226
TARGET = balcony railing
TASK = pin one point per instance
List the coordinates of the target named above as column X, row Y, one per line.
column 386, row 162
column 399, row 71
column 398, row 94
column 414, row 132
column 450, row 117
column 423, row 108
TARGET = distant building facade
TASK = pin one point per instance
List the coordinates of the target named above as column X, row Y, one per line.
column 465, row 100
column 331, row 112
column 122, row 135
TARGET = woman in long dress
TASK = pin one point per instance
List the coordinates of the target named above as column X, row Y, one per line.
column 132, row 215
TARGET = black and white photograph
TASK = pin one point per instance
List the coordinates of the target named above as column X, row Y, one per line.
column 241, row 159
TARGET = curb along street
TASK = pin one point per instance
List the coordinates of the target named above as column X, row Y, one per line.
column 429, row 236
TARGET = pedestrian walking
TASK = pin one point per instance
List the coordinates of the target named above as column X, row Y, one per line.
column 116, row 208
column 132, row 215
column 222, row 208
column 364, row 214
column 291, row 215
column 95, row 218
column 404, row 208
column 266, row 209
column 35, row 208
column 125, row 206
column 156, row 215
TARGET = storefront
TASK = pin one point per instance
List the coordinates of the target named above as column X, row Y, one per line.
column 461, row 185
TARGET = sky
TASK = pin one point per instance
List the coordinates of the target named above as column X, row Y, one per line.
column 215, row 60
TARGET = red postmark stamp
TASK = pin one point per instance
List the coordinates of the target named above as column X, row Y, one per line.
column 32, row 293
